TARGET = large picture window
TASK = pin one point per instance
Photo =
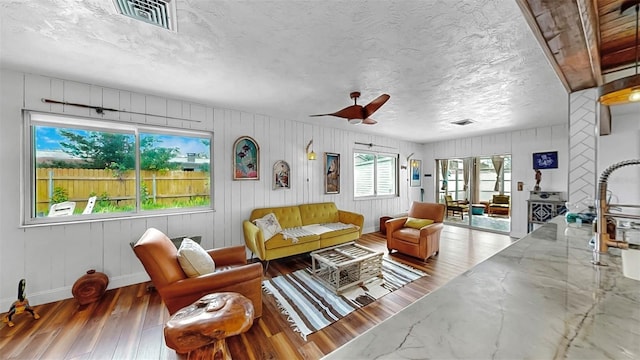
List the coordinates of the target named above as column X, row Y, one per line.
column 375, row 174
column 84, row 168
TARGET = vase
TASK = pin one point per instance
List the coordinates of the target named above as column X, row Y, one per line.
column 90, row 287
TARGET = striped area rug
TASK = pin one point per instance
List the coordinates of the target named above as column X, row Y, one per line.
column 309, row 306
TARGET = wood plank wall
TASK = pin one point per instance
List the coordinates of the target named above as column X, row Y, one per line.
column 51, row 258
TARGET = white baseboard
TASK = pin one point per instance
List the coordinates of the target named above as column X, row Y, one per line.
column 44, row 297
column 369, row 230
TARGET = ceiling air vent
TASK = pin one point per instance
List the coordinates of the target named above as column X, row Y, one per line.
column 462, row 122
column 157, row 12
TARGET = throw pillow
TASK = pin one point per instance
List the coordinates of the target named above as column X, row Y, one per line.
column 417, row 223
column 194, row 260
column 269, row 225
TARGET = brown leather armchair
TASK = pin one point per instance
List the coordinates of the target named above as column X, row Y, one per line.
column 159, row 258
column 421, row 243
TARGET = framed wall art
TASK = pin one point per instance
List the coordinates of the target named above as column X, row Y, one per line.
column 416, row 169
column 246, row 159
column 281, row 175
column 332, row 173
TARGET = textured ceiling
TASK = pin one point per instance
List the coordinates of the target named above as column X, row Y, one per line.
column 441, row 61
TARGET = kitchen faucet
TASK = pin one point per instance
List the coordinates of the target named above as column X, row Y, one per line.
column 602, row 239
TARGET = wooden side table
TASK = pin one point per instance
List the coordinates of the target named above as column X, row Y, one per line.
column 383, row 226
column 201, row 328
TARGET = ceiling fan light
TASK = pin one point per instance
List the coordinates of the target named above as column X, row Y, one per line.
column 634, row 95
column 355, row 121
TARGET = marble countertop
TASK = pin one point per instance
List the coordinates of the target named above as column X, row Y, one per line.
column 539, row 298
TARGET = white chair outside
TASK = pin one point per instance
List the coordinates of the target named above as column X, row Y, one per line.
column 62, row 209
column 90, row 204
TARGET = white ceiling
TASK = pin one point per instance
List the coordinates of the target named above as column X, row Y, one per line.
column 441, row 61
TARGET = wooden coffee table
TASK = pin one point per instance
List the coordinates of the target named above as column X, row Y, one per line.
column 343, row 266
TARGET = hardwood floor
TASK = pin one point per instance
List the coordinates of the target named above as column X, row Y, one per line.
column 127, row 323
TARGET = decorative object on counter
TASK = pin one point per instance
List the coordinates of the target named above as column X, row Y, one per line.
column 19, row 306
column 246, row 159
column 201, row 328
column 90, row 287
column 538, row 178
column 577, row 214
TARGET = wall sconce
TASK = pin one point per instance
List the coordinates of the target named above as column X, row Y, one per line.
column 310, row 155
column 404, row 167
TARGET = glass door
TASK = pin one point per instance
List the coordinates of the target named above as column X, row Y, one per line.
column 477, row 191
column 453, row 189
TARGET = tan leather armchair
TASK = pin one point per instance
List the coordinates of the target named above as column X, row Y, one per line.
column 159, row 258
column 420, row 243
column 499, row 205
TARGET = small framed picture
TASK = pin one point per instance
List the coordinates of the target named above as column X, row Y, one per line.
column 281, row 175
column 332, row 173
column 416, row 169
column 246, row 159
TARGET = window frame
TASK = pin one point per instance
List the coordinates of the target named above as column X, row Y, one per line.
column 375, row 195
column 32, row 118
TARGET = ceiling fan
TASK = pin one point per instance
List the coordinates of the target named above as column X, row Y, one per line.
column 357, row 114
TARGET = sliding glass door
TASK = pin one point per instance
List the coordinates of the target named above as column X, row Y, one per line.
column 477, row 191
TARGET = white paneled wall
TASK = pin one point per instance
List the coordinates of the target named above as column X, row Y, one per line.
column 521, row 145
column 51, row 258
column 622, row 144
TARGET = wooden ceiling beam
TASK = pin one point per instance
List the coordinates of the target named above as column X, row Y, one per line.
column 537, row 33
column 589, row 18
column 568, row 35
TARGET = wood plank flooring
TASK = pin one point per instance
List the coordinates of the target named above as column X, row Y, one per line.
column 127, row 323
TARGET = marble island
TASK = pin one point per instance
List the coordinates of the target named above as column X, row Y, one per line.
column 540, row 298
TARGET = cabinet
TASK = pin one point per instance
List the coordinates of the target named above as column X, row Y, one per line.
column 544, row 206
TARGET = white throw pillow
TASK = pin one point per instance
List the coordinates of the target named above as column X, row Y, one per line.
column 194, row 260
column 269, row 225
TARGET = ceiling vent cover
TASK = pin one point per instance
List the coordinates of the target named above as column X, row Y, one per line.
column 157, row 12
column 462, row 122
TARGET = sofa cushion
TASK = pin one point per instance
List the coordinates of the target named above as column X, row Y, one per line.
column 194, row 260
column 408, row 234
column 279, row 241
column 334, row 233
column 417, row 223
column 320, row 213
column 269, row 225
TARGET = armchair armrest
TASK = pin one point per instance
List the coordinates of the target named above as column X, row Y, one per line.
column 395, row 224
column 214, row 280
column 430, row 229
column 254, row 239
column 228, row 255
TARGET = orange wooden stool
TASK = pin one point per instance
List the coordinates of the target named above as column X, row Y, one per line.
column 201, row 328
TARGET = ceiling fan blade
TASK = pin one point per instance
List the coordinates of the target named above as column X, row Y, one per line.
column 369, row 121
column 350, row 112
column 374, row 105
